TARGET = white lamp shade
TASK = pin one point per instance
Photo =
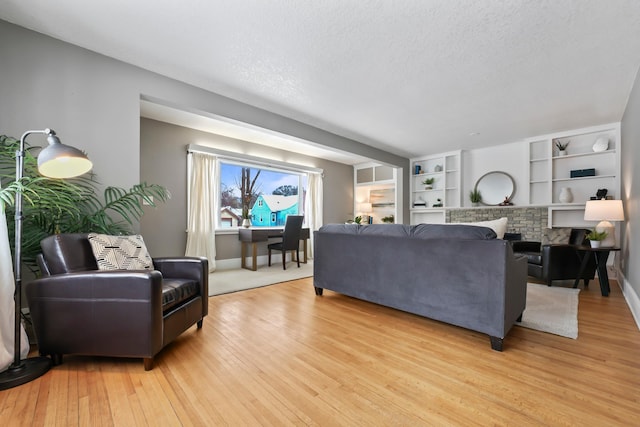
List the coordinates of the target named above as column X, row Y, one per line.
column 604, row 210
column 62, row 161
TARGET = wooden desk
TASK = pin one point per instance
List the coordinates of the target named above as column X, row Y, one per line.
column 256, row 235
column 601, row 254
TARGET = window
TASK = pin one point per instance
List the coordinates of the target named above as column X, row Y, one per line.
column 266, row 195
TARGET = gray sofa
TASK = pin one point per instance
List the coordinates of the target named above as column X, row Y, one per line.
column 458, row 274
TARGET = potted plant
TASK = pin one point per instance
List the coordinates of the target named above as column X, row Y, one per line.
column 562, row 147
column 596, row 237
column 72, row 205
column 475, row 197
column 246, row 222
column 388, row 219
column 428, row 183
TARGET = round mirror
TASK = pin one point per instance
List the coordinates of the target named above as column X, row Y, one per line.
column 495, row 187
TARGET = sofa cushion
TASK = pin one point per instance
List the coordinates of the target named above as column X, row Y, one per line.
column 340, row 228
column 551, row 236
column 120, row 252
column 389, row 230
column 497, row 225
column 175, row 291
column 451, row 231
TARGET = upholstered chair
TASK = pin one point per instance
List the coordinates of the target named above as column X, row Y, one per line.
column 556, row 257
column 77, row 308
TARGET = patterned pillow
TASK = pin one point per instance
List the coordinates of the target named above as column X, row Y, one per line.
column 120, row 252
column 552, row 236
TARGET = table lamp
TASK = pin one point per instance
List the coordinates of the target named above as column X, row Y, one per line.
column 605, row 211
column 54, row 161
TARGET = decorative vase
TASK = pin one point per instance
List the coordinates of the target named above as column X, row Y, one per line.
column 428, row 187
column 562, row 153
column 595, row 243
column 565, row 195
column 601, row 144
column 246, row 223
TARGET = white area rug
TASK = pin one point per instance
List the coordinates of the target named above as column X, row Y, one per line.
column 225, row 281
column 551, row 309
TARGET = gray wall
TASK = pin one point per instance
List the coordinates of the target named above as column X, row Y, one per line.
column 93, row 103
column 630, row 236
column 163, row 161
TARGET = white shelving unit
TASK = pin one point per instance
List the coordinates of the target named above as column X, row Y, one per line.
column 379, row 186
column 549, row 172
column 445, row 169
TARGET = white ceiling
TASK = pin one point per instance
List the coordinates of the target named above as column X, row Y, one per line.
column 413, row 77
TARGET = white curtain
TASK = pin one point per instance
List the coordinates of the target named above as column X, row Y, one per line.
column 201, row 218
column 313, row 208
column 7, row 304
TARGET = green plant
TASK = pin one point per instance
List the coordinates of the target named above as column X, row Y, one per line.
column 66, row 206
column 357, row 219
column 597, row 235
column 429, row 181
column 388, row 219
column 475, row 196
column 561, row 145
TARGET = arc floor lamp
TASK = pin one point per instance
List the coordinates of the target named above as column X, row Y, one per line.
column 54, row 161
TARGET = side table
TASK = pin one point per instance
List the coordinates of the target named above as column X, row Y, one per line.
column 601, row 255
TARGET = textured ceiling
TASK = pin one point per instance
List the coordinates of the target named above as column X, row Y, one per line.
column 418, row 76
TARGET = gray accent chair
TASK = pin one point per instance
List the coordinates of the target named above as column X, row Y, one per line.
column 458, row 274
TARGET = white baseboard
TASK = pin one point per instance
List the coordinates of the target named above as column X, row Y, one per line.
column 630, row 295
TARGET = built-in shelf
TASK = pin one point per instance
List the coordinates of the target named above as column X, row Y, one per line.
column 550, row 173
column 445, row 169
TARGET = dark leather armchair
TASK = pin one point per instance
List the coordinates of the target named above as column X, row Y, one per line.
column 78, row 309
column 290, row 240
column 558, row 261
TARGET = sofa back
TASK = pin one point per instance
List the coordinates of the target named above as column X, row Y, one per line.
column 66, row 253
column 459, row 274
column 420, row 231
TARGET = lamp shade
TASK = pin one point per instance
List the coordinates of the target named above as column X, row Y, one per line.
column 62, row 161
column 604, row 210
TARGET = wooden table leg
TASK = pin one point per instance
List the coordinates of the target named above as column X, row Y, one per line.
column 254, row 255
column 305, row 250
column 243, row 254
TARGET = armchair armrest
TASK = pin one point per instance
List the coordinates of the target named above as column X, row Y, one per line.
column 526, row 246
column 115, row 313
column 560, row 260
column 194, row 268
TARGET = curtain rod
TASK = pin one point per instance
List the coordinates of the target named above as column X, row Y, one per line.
column 240, row 157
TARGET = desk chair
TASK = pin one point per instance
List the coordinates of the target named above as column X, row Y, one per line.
column 290, row 239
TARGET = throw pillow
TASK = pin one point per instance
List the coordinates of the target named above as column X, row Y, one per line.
column 120, row 252
column 552, row 236
column 497, row 225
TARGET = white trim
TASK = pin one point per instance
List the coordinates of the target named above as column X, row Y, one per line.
column 632, row 298
column 260, row 161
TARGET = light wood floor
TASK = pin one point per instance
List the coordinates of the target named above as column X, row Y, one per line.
column 279, row 355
